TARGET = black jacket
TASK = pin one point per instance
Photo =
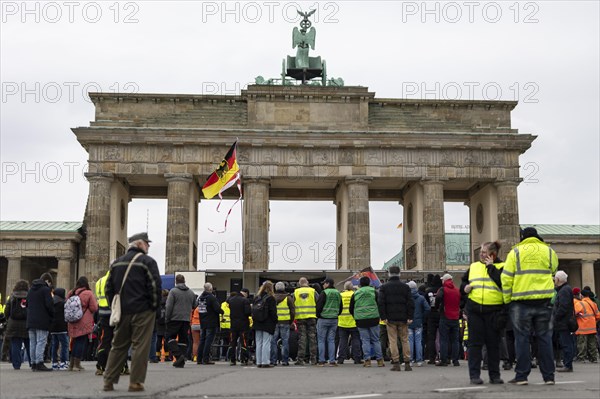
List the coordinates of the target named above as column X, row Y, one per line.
column 16, row 328
column 395, row 301
column 563, row 307
column 239, row 307
column 40, row 306
column 142, row 289
column 271, row 322
column 59, row 325
column 209, row 310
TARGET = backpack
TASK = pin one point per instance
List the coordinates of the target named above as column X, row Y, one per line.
column 18, row 309
column 260, row 310
column 73, row 309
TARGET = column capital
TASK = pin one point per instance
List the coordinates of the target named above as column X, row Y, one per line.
column 512, row 182
column 64, row 258
column 96, row 176
column 183, row 177
column 358, row 179
column 257, row 180
column 13, row 258
column 425, row 182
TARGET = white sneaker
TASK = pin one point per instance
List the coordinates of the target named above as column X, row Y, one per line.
column 55, row 366
column 419, row 364
column 63, row 366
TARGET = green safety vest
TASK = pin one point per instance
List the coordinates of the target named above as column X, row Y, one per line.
column 528, row 271
column 283, row 310
column 345, row 319
column 306, row 306
column 333, row 299
column 483, row 289
column 365, row 304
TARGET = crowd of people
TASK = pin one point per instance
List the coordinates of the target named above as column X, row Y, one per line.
column 520, row 312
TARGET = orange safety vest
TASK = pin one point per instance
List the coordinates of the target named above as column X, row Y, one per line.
column 586, row 316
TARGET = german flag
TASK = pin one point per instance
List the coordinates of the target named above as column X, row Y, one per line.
column 225, row 176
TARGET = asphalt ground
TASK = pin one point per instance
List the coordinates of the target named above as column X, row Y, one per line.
column 347, row 381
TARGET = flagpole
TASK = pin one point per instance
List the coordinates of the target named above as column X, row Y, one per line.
column 243, row 229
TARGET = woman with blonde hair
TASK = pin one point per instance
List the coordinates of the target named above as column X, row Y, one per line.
column 264, row 316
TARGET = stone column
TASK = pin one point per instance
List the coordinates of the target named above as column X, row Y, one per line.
column 508, row 215
column 359, row 237
column 97, row 246
column 63, row 277
column 587, row 274
column 178, row 222
column 13, row 273
column 256, row 224
column 434, row 246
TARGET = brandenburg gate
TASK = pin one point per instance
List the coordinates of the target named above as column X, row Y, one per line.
column 302, row 142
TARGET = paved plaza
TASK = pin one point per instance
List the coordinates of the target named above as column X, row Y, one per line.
column 345, row 382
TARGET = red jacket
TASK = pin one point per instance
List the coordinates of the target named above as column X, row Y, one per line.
column 448, row 300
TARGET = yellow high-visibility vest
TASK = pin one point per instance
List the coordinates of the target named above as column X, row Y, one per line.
column 345, row 319
column 528, row 271
column 225, row 317
column 101, row 291
column 306, row 305
column 483, row 289
column 283, row 311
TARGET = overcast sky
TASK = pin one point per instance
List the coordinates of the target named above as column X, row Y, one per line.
column 545, row 54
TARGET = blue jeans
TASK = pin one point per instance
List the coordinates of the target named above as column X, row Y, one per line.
column 415, row 343
column 16, row 356
column 263, row 347
column 152, row 354
column 61, row 339
column 369, row 338
column 281, row 331
column 207, row 337
column 565, row 340
column 326, row 329
column 448, row 332
column 37, row 345
column 526, row 318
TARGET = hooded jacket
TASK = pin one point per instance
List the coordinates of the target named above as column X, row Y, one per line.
column 209, row 310
column 40, row 306
column 421, row 309
column 180, row 303
column 447, row 300
column 59, row 325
